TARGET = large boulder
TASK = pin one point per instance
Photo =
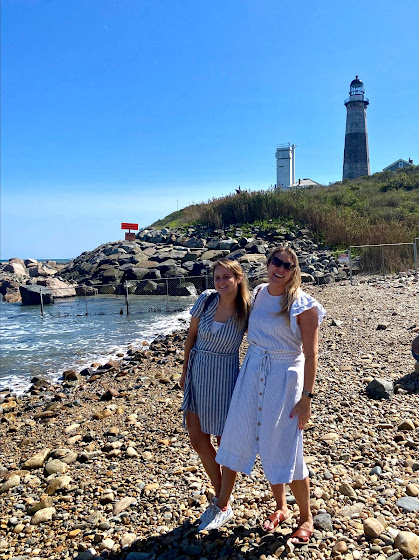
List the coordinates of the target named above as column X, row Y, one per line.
column 185, row 289
column 111, row 275
column 15, row 268
column 213, row 255
column 31, row 295
column 195, row 242
column 380, row 389
column 255, row 247
column 59, row 289
column 213, row 243
column 42, row 270
column 86, row 291
column 146, row 288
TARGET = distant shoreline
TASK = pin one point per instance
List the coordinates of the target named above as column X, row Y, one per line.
column 41, row 260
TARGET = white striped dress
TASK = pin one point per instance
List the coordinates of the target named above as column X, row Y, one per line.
column 269, row 385
column 213, row 367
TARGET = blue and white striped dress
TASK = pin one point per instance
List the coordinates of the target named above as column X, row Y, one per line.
column 213, row 367
column 269, row 385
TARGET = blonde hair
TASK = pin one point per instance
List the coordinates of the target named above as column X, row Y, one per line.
column 292, row 287
column 243, row 294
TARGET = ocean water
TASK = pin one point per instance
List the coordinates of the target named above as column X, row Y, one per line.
column 65, row 337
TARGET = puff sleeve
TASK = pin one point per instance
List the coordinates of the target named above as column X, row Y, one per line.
column 301, row 304
column 198, row 307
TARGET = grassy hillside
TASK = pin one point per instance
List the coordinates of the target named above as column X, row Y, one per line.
column 382, row 208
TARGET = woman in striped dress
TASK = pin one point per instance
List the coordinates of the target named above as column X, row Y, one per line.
column 211, row 363
column 272, row 397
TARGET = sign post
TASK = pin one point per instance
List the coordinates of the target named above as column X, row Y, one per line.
column 129, row 236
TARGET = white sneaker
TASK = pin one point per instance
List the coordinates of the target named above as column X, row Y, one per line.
column 216, row 518
column 208, row 515
column 207, row 512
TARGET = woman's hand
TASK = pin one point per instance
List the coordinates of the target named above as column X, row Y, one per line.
column 182, row 381
column 303, row 411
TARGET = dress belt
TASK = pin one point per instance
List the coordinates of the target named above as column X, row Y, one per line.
column 194, row 350
column 275, row 353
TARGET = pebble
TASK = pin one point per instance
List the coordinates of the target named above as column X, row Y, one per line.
column 372, row 527
column 58, row 484
column 407, row 543
column 408, row 504
column 407, row 424
column 10, row 483
column 412, row 490
column 347, row 490
column 37, row 460
column 55, row 466
column 43, row 515
column 123, row 504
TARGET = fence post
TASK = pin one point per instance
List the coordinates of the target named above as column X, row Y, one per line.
column 415, row 255
column 126, row 296
column 383, row 261
column 350, row 265
column 42, row 302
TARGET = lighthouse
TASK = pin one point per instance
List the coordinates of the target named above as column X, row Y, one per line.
column 356, row 159
column 285, row 165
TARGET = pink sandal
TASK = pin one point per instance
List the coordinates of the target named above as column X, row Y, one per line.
column 274, row 519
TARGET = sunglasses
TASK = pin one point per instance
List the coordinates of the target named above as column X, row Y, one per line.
column 278, row 263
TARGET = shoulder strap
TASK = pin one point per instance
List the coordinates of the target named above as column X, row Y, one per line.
column 258, row 288
column 209, row 300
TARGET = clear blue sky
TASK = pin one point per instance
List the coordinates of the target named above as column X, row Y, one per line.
column 120, row 110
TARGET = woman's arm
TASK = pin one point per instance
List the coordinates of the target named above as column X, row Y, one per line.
column 309, row 327
column 190, row 341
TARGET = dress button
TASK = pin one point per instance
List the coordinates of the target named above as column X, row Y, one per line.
column 260, row 408
column 257, row 439
column 258, row 423
column 261, row 378
column 260, row 394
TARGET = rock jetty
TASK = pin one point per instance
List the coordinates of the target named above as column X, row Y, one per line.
column 24, row 280
column 99, row 466
column 178, row 258
column 169, row 254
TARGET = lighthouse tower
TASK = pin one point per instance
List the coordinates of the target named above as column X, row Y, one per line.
column 356, row 159
column 285, row 165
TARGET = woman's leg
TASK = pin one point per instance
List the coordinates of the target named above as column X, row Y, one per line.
column 227, row 483
column 281, row 511
column 301, row 491
column 202, row 444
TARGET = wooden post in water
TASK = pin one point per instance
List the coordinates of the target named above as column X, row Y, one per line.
column 42, row 302
column 126, row 296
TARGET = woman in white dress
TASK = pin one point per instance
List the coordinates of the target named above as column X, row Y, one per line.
column 272, row 397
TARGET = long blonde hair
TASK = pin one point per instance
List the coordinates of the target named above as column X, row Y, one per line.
column 291, row 289
column 243, row 294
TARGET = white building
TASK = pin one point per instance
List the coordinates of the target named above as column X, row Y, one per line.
column 285, row 165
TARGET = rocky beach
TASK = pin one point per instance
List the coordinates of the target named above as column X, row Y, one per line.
column 100, row 466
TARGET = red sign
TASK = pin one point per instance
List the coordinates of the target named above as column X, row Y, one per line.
column 129, row 236
column 129, row 226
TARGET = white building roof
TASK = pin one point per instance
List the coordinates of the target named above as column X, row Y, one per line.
column 304, row 183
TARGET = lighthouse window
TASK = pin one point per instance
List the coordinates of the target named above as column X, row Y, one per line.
column 400, row 164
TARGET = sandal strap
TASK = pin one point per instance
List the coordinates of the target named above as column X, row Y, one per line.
column 302, row 533
column 277, row 515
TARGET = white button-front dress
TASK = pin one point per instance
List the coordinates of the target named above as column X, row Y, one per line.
column 270, row 383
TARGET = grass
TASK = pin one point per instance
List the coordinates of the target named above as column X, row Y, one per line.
column 382, row 208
